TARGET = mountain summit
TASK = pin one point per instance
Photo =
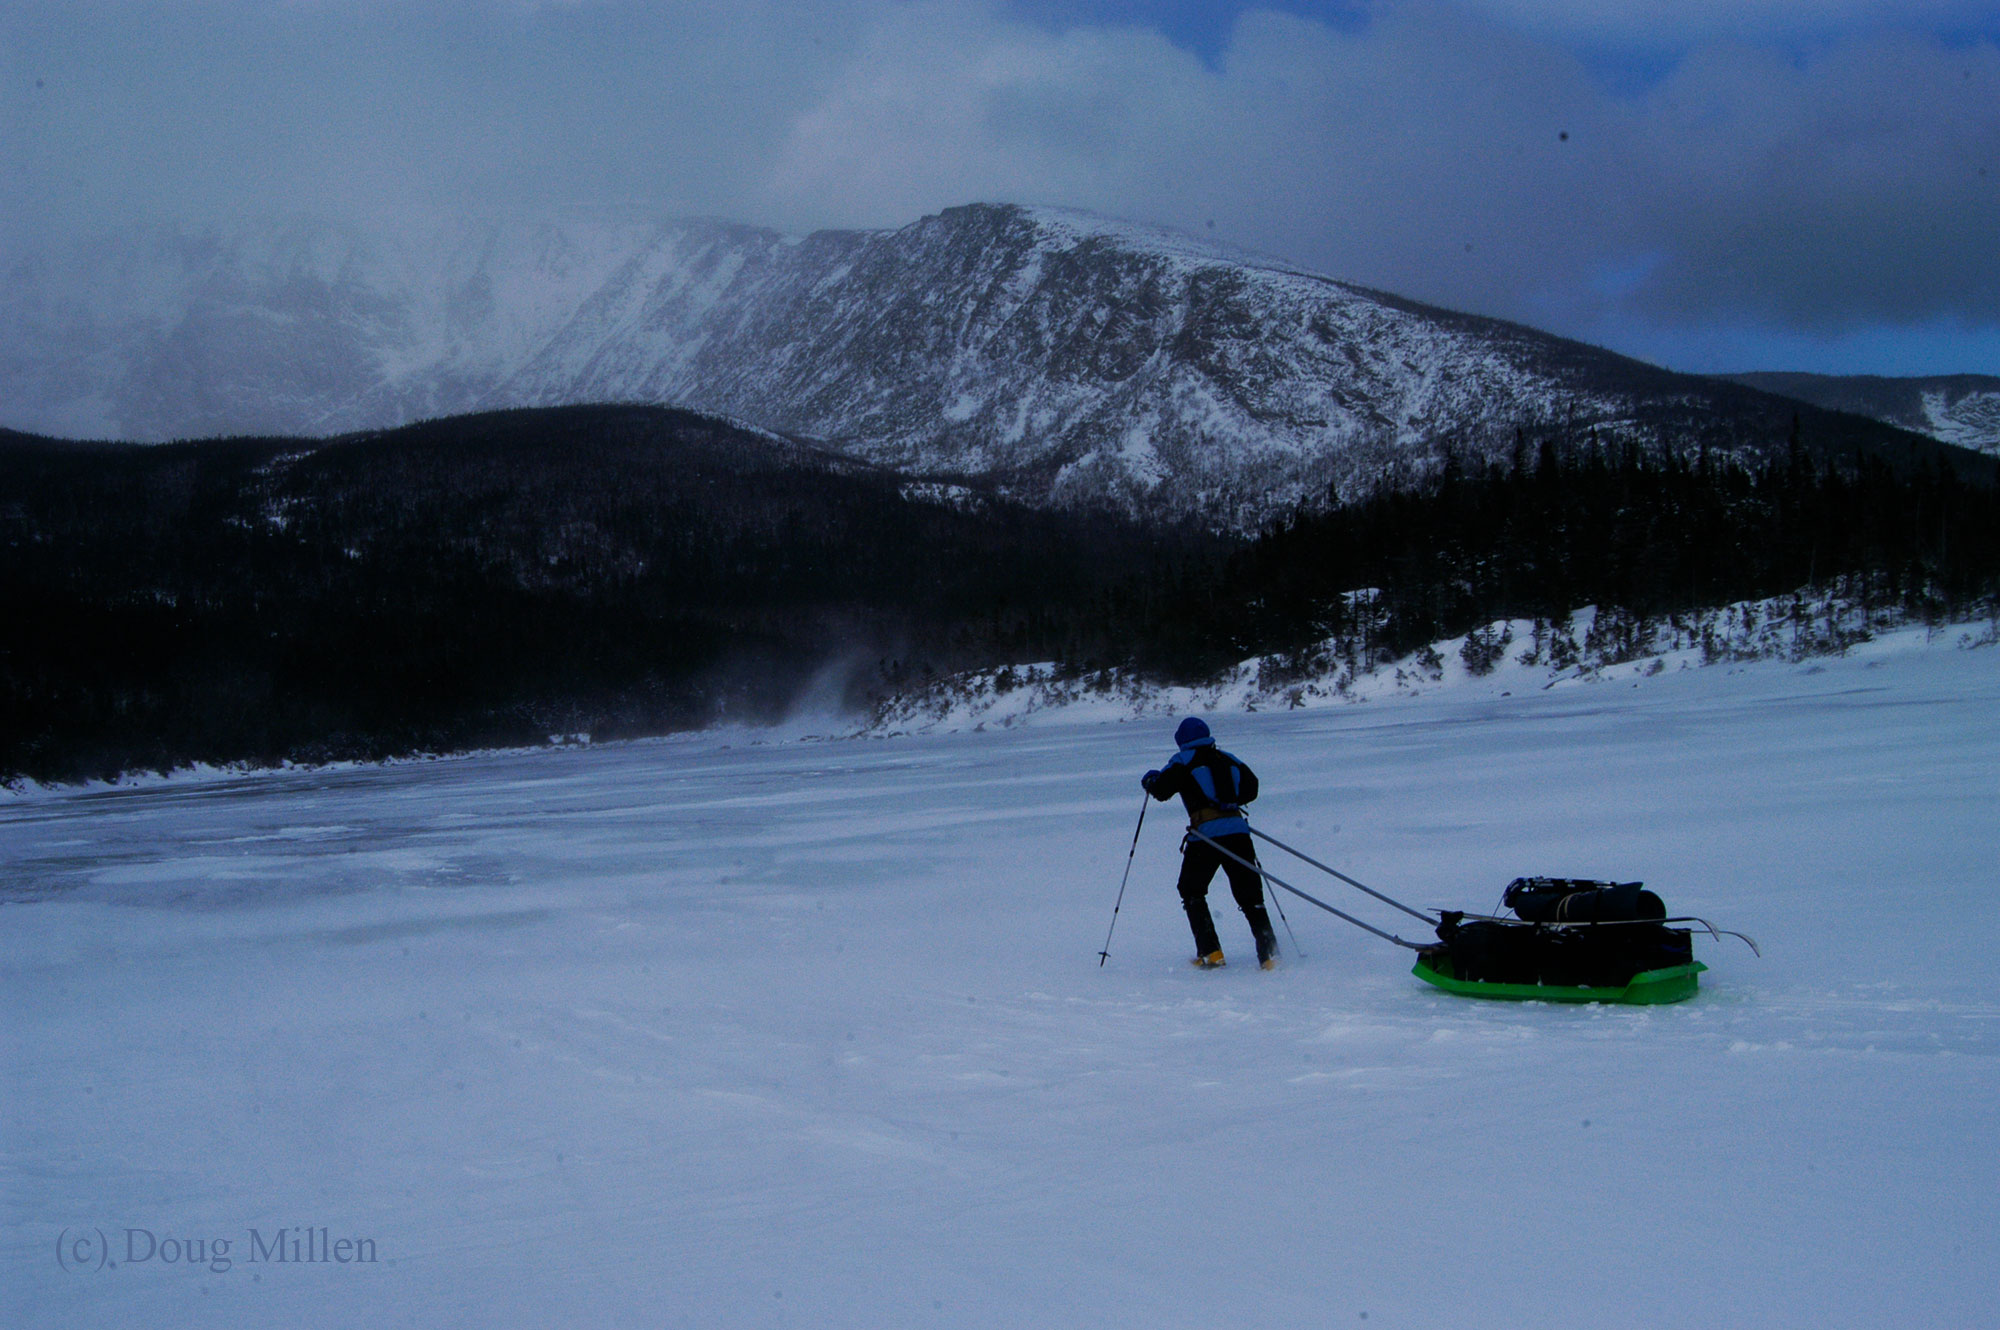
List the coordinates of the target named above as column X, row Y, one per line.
column 1064, row 357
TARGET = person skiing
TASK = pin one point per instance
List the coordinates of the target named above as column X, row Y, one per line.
column 1214, row 786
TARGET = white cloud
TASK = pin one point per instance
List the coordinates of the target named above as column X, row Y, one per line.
column 1441, row 154
column 943, row 105
column 1466, row 152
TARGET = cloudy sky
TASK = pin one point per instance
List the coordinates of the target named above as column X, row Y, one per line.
column 1709, row 184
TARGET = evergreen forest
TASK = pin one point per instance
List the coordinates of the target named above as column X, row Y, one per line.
column 515, row 577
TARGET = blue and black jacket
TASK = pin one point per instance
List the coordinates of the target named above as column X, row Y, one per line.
column 1213, row 785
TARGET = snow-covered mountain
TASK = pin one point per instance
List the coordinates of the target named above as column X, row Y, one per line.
column 1067, row 357
column 1961, row 409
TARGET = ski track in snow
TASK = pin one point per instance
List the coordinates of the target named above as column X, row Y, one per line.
column 707, row 1034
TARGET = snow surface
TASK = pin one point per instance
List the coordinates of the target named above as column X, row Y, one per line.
column 704, row 1034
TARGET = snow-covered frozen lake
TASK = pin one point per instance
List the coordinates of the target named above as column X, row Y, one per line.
column 815, row 1034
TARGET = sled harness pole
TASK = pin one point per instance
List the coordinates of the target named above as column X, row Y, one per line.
column 1717, row 933
column 1277, row 881
column 1105, row 955
column 1414, row 914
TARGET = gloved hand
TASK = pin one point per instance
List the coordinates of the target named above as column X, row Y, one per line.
column 1146, row 781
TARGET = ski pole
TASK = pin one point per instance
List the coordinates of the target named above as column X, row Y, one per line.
column 1279, row 902
column 1105, row 955
column 1296, row 950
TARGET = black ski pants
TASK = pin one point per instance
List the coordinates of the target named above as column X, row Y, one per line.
column 1199, row 860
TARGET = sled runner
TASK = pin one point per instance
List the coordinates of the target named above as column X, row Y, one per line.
column 1672, row 984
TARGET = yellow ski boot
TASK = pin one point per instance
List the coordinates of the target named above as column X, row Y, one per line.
column 1212, row 961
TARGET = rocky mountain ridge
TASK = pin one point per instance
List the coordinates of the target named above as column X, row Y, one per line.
column 1064, row 358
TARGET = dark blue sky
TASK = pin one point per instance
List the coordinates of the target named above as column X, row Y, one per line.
column 1715, row 184
column 1201, row 29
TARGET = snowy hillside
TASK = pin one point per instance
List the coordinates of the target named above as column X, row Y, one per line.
column 764, row 1035
column 1068, row 357
column 1961, row 409
column 1499, row 659
column 1073, row 356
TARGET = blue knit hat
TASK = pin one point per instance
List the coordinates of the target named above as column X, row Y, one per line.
column 1191, row 732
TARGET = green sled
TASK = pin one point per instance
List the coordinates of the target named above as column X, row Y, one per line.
column 1675, row 983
